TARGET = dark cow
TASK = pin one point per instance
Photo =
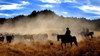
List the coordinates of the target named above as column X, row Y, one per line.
column 1, row 38
column 9, row 38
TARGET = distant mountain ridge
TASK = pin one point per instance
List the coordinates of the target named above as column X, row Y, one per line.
column 49, row 13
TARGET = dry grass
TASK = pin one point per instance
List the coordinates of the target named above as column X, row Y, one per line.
column 85, row 48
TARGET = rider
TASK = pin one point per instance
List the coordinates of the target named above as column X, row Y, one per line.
column 87, row 30
column 68, row 32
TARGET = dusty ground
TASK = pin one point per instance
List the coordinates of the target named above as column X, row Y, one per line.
column 85, row 48
column 97, row 33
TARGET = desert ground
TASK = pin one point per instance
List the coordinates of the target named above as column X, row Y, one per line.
column 86, row 47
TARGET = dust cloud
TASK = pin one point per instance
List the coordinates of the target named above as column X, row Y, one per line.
column 46, row 24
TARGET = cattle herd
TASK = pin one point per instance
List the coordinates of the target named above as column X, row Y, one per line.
column 10, row 37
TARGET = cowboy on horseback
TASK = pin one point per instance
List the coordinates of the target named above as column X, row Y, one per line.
column 70, row 39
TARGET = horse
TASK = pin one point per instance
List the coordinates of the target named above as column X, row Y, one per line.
column 90, row 34
column 65, row 39
column 84, row 34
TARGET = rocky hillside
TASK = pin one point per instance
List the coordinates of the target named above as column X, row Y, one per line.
column 49, row 14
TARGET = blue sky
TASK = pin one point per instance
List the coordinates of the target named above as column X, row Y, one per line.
column 89, row 9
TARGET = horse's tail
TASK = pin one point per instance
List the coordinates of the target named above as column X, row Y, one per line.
column 57, row 37
column 75, row 40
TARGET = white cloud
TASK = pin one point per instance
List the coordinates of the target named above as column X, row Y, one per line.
column 10, row 7
column 61, row 13
column 58, row 1
column 46, row 6
column 50, row 1
column 65, row 12
column 90, row 9
column 13, row 14
column 4, row 14
column 97, row 16
column 13, row 6
column 70, row 1
column 25, row 2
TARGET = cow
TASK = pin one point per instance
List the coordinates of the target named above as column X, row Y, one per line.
column 9, row 38
column 1, row 38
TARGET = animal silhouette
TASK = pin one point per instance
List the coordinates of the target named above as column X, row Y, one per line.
column 1, row 38
column 84, row 34
column 90, row 34
column 9, row 38
column 65, row 39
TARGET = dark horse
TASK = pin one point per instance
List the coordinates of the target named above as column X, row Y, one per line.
column 65, row 40
column 84, row 34
column 90, row 34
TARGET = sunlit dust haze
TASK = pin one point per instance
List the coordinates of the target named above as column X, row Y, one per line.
column 46, row 24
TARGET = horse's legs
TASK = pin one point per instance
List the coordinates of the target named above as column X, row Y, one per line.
column 75, row 43
column 91, row 36
column 71, row 44
column 65, row 45
column 62, row 45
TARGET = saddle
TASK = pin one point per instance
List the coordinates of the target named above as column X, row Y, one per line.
column 67, row 37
